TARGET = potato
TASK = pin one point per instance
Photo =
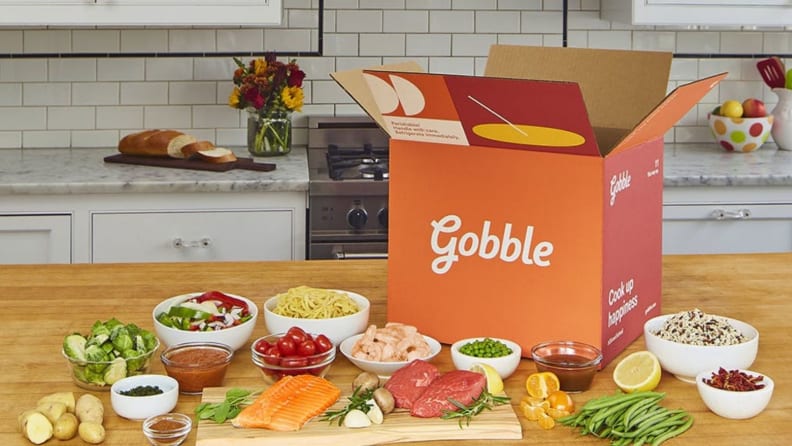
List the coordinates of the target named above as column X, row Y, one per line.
column 91, row 432
column 35, row 426
column 66, row 398
column 65, row 427
column 52, row 410
column 89, row 408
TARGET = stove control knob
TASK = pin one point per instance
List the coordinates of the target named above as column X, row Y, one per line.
column 357, row 218
column 382, row 217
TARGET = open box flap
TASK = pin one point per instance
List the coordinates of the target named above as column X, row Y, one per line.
column 483, row 111
column 668, row 112
column 620, row 87
column 353, row 83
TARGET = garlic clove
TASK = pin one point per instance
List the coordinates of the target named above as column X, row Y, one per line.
column 374, row 413
column 355, row 419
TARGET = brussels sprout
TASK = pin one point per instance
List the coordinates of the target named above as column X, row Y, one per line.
column 99, row 333
column 74, row 346
column 94, row 376
column 121, row 339
column 112, row 323
column 116, row 371
column 149, row 340
column 95, row 353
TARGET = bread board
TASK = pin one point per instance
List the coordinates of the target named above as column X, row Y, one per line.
column 192, row 163
column 501, row 423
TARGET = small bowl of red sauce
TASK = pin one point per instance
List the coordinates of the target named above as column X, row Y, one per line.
column 196, row 365
column 574, row 363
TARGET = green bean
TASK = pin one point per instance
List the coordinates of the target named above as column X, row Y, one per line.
column 636, row 420
column 610, row 400
column 638, row 408
column 673, row 433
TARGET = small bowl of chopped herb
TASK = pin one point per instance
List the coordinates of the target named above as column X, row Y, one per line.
column 141, row 396
column 501, row 354
column 735, row 394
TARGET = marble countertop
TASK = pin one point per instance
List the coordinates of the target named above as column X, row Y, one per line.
column 83, row 171
column 76, row 171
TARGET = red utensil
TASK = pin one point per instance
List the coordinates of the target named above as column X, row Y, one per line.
column 772, row 71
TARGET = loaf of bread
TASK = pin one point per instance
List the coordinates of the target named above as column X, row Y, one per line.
column 217, row 155
column 195, row 147
column 173, row 144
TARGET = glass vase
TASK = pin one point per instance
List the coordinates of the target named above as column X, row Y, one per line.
column 269, row 133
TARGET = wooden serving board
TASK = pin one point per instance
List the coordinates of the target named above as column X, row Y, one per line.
column 501, row 423
column 192, row 163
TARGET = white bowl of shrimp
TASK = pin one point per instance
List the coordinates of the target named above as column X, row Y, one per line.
column 337, row 314
column 384, row 350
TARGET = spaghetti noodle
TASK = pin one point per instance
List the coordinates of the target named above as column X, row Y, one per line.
column 314, row 303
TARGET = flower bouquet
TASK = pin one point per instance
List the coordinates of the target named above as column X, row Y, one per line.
column 269, row 90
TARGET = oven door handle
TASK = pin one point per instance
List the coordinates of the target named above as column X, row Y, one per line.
column 360, row 255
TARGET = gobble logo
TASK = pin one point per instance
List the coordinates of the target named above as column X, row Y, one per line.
column 619, row 183
column 449, row 245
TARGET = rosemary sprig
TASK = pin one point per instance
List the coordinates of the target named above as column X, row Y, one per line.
column 358, row 400
column 235, row 400
column 466, row 413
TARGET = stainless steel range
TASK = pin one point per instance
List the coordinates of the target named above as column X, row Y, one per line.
column 348, row 194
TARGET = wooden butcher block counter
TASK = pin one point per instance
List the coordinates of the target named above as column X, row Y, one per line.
column 42, row 303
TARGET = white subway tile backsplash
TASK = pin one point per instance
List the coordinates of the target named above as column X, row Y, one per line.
column 472, row 44
column 328, row 92
column 474, row 4
column 240, row 39
column 81, row 69
column 213, row 116
column 94, row 138
column 518, row 5
column 615, row 40
column 95, row 93
column 287, row 40
column 192, row 92
column 427, row 4
column 169, row 68
column 541, row 22
column 405, row 21
column 497, row 21
column 521, row 39
column 46, row 93
column 46, row 138
column 382, row 45
column 71, row 118
column 96, row 41
column 144, row 93
column 192, row 40
column 167, row 116
column 775, row 42
column 358, row 21
column 11, row 41
column 123, row 117
column 587, row 20
column 215, row 68
column 303, row 18
column 684, row 70
column 741, row 42
column 340, row 45
column 47, row 41
column 350, row 63
column 453, row 65
column 381, row 4
column 10, row 140
column 653, row 40
column 23, row 118
column 144, row 40
column 700, row 42
column 120, row 69
column 452, row 21
column 23, row 70
column 428, row 44
column 10, row 94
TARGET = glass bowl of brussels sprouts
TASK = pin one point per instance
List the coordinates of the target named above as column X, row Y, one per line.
column 111, row 351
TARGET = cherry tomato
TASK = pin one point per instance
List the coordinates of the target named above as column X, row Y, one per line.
column 272, row 355
column 297, row 334
column 287, row 346
column 293, row 361
column 323, row 343
column 561, row 400
column 262, row 346
column 306, row 348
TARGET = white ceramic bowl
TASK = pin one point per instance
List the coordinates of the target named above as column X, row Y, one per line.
column 234, row 337
column 504, row 365
column 381, row 368
column 731, row 404
column 336, row 329
column 685, row 361
column 740, row 134
column 142, row 407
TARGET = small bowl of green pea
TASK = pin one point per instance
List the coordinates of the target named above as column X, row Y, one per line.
column 502, row 355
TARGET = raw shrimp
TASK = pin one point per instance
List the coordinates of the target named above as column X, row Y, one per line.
column 393, row 342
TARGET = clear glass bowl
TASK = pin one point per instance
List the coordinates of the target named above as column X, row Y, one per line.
column 196, row 365
column 170, row 429
column 574, row 363
column 274, row 368
column 93, row 375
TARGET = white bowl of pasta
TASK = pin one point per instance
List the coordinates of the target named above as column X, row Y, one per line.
column 338, row 314
column 386, row 349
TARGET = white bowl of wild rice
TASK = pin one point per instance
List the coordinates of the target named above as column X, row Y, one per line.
column 690, row 342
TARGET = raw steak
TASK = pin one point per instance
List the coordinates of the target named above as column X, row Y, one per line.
column 409, row 382
column 460, row 385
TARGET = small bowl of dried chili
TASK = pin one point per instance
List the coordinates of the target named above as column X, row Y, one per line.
column 736, row 394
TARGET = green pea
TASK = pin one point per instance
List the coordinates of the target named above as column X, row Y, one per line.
column 485, row 348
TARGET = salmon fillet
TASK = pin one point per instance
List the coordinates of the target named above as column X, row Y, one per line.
column 289, row 403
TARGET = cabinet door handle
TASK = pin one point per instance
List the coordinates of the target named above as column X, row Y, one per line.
column 362, row 255
column 739, row 214
column 205, row 242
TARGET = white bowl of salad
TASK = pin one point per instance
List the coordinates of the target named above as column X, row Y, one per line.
column 211, row 316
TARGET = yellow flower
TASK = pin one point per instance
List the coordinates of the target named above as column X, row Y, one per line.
column 260, row 67
column 233, row 99
column 292, row 98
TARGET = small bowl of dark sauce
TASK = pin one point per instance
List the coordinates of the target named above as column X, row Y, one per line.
column 574, row 363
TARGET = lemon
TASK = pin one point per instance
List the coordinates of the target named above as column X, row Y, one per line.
column 494, row 381
column 638, row 371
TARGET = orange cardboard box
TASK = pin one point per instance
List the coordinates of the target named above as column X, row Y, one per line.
column 527, row 203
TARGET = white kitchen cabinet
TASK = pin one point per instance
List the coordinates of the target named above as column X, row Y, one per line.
column 192, row 236
column 139, row 12
column 699, row 12
column 30, row 239
column 714, row 220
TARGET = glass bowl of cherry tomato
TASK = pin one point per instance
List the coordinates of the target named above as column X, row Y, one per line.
column 294, row 352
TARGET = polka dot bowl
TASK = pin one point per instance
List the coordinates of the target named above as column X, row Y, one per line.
column 740, row 134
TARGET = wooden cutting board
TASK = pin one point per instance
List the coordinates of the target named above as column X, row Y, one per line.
column 193, row 164
column 501, row 423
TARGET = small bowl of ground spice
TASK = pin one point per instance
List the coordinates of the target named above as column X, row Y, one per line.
column 141, row 396
column 735, row 393
column 170, row 429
